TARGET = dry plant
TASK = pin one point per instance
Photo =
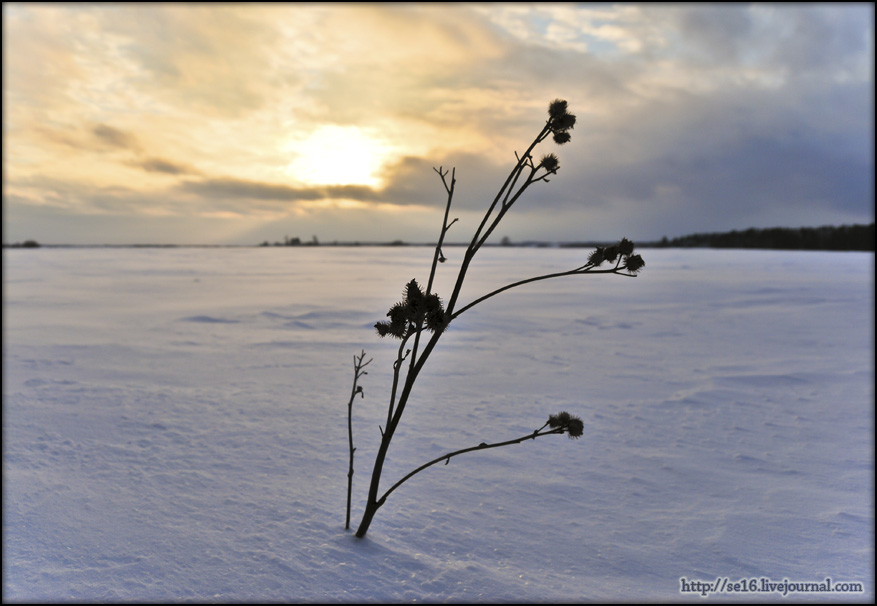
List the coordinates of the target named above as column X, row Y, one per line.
column 421, row 318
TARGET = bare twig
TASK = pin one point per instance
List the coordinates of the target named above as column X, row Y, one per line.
column 358, row 371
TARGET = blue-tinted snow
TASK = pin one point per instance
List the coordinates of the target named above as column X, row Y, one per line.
column 174, row 427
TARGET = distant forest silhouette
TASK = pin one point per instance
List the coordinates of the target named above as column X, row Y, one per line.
column 844, row 237
column 25, row 244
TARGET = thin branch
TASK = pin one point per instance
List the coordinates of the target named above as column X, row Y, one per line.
column 437, row 255
column 397, row 366
column 585, row 269
column 477, row 239
column 483, row 446
column 522, row 163
column 358, row 371
column 507, row 204
column 513, row 175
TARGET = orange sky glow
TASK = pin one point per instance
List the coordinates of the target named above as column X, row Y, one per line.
column 234, row 124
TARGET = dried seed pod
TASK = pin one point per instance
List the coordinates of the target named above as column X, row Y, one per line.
column 634, row 263
column 550, row 163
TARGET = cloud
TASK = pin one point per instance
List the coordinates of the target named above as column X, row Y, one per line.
column 168, row 167
column 690, row 116
column 214, row 58
column 114, row 137
column 97, row 137
column 226, row 188
column 43, row 63
column 414, row 181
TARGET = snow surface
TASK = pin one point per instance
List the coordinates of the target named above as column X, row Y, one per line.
column 174, row 427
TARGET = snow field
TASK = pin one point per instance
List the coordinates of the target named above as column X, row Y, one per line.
column 174, row 427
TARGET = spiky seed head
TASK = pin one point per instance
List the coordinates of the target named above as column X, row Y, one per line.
column 437, row 321
column 558, row 420
column 413, row 292
column 557, row 108
column 436, row 318
column 550, row 163
column 561, row 138
column 382, row 328
column 634, row 264
column 610, row 253
column 625, row 247
column 387, row 329
column 413, row 301
column 575, row 427
column 399, row 316
column 572, row 424
column 597, row 257
column 563, row 123
column 432, row 302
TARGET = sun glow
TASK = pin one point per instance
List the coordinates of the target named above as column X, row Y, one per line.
column 336, row 155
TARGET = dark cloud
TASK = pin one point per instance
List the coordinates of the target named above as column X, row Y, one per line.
column 800, row 39
column 97, row 137
column 226, row 188
column 822, row 38
column 52, row 225
column 713, row 163
column 721, row 32
column 114, row 137
column 414, row 181
column 411, row 182
column 160, row 165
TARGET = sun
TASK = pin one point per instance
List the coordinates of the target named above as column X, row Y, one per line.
column 338, row 155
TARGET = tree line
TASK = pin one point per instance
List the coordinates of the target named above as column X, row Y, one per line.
column 844, row 237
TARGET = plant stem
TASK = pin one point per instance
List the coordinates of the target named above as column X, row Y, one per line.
column 436, row 255
column 479, row 238
column 585, row 269
column 418, row 359
column 445, row 225
column 358, row 365
column 397, row 365
column 416, row 363
column 483, row 446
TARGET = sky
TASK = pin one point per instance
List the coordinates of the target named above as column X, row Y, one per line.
column 182, row 123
